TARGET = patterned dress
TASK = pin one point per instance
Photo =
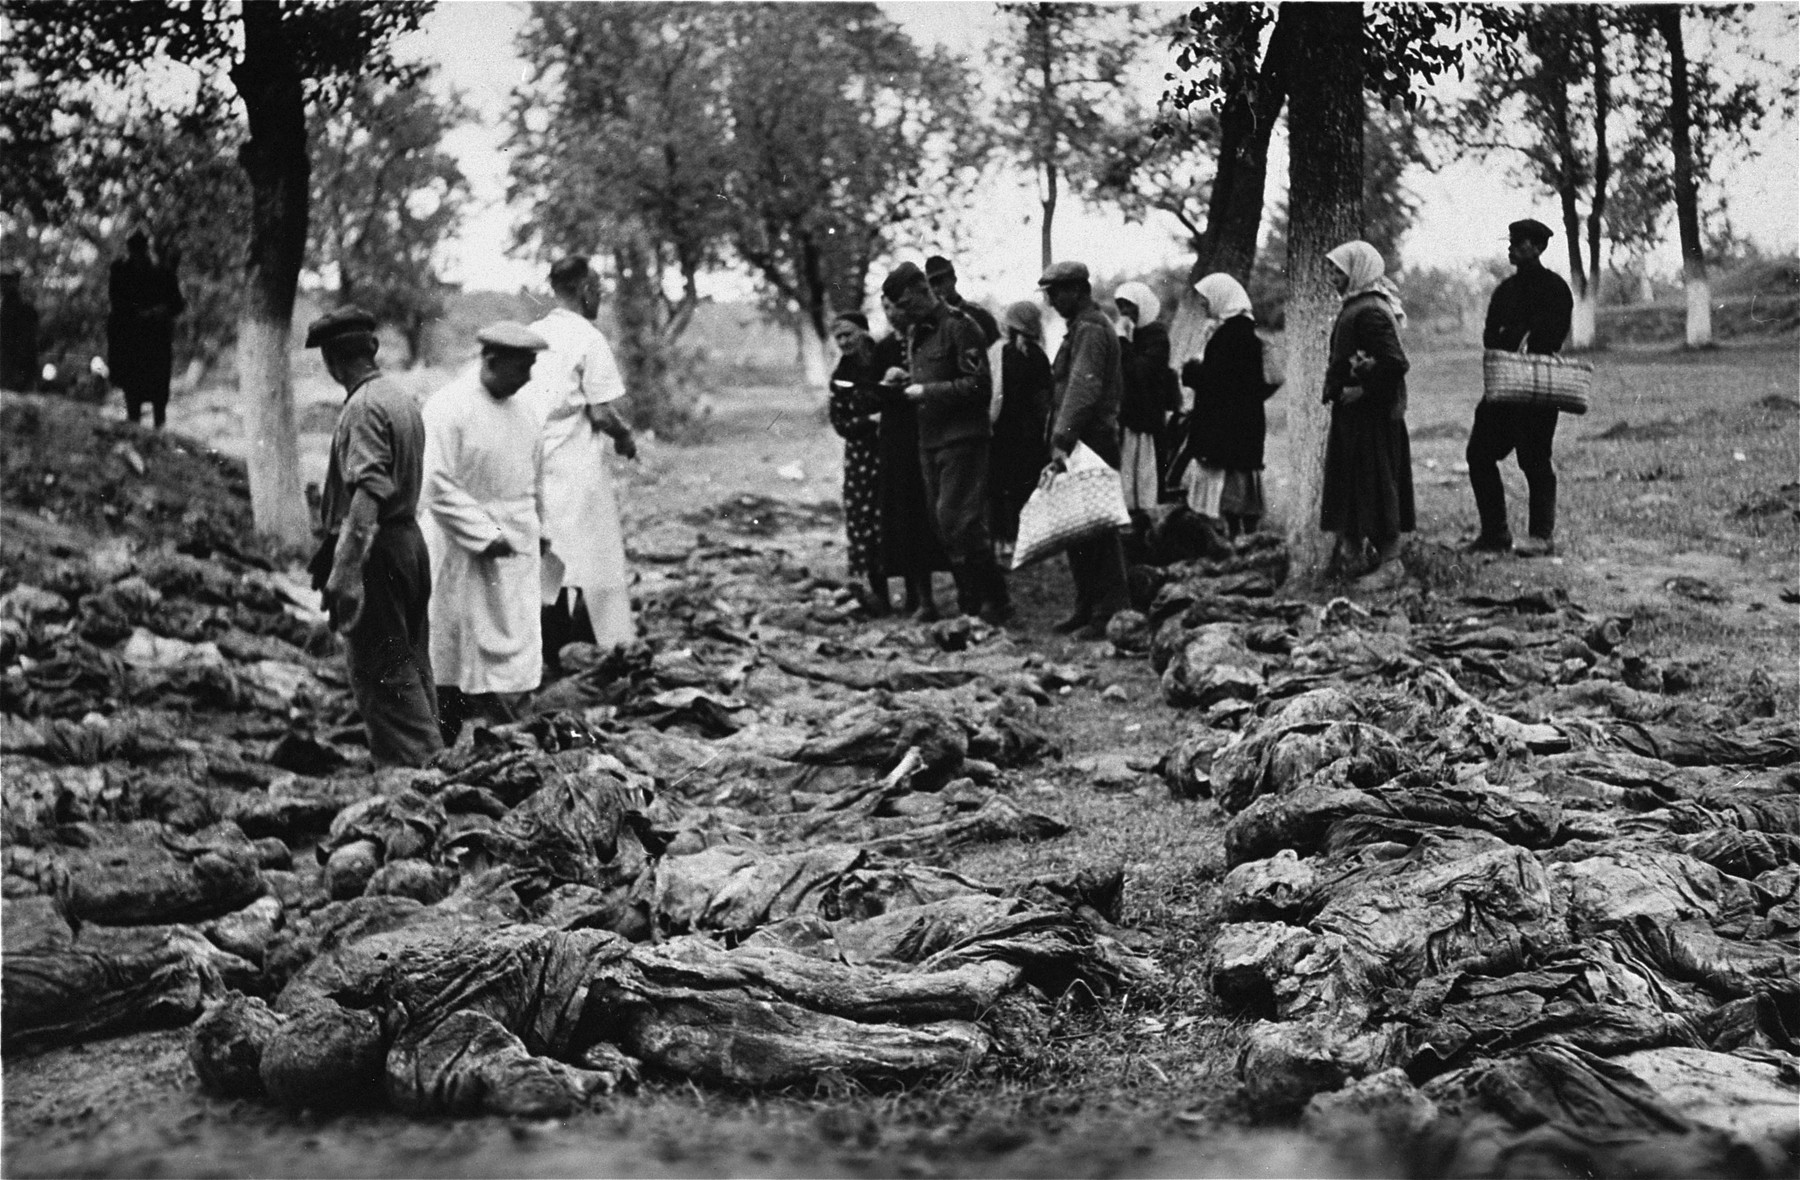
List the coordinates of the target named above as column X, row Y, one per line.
column 855, row 414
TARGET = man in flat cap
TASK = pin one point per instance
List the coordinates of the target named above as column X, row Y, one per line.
column 576, row 390
column 1090, row 384
column 372, row 564
column 1532, row 309
column 482, row 509
column 949, row 381
column 940, row 272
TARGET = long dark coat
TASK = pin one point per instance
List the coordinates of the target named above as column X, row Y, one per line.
column 1368, row 489
column 909, row 543
column 1228, row 425
column 1020, row 450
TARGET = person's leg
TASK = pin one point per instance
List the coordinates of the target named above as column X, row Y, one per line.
column 920, row 602
column 960, row 507
column 134, row 404
column 159, row 411
column 1489, row 442
column 1106, row 583
column 1081, row 564
column 398, row 711
column 608, row 610
column 1537, row 436
column 453, row 710
column 878, row 603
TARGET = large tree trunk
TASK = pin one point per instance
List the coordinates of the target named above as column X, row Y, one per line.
column 1047, row 116
column 1687, row 198
column 1582, row 333
column 817, row 373
column 275, row 159
column 644, row 344
column 1234, row 213
column 1325, row 123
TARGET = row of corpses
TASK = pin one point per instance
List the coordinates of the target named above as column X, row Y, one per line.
column 1486, row 895
column 713, row 856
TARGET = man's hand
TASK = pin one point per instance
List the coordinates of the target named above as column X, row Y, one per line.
column 914, row 392
column 1349, row 395
column 1059, row 460
column 895, row 376
column 498, row 547
column 625, row 445
column 344, row 598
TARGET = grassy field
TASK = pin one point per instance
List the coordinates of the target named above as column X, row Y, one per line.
column 1673, row 475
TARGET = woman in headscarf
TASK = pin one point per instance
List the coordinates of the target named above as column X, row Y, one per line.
column 1024, row 390
column 1367, row 493
column 909, row 541
column 1220, row 465
column 855, row 411
column 1142, row 410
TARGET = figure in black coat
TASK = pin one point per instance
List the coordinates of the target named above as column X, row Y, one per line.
column 18, row 336
column 1220, row 465
column 140, row 328
column 1020, row 448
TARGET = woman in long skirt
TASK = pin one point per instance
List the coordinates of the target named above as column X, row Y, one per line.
column 1221, row 462
column 855, row 411
column 909, row 542
column 1367, row 493
column 1020, row 450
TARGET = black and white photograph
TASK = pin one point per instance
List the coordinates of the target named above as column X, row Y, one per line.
column 929, row 588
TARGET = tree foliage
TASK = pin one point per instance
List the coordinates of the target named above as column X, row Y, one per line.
column 1061, row 70
column 386, row 194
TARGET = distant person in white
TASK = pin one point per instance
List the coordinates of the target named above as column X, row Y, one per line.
column 480, row 509
column 573, row 390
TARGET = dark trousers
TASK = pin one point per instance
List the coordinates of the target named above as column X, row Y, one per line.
column 457, row 707
column 956, row 491
column 1097, row 567
column 1499, row 431
column 388, row 651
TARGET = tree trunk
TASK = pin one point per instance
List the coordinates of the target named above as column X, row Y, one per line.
column 812, row 356
column 1247, row 119
column 1582, row 325
column 1582, row 340
column 643, row 346
column 1047, row 120
column 1325, row 125
column 275, row 159
column 1687, row 198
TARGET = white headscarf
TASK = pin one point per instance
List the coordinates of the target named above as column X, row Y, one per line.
column 1140, row 295
column 1362, row 262
column 1225, row 296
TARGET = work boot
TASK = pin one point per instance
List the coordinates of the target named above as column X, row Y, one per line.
column 1535, row 547
column 920, row 605
column 1490, row 543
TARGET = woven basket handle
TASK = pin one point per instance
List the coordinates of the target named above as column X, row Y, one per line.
column 1523, row 341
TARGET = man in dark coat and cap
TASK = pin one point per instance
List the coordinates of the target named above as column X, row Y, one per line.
column 372, row 564
column 940, row 272
column 1532, row 309
column 948, row 379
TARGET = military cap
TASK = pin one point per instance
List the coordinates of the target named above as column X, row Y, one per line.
column 348, row 320
column 1531, row 229
column 902, row 277
column 937, row 265
column 1064, row 272
column 511, row 334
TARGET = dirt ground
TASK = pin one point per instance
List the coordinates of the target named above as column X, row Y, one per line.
column 1673, row 511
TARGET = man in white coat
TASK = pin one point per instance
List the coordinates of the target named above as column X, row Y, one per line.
column 480, row 509
column 575, row 388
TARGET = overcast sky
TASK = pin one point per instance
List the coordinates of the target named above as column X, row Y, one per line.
column 1462, row 219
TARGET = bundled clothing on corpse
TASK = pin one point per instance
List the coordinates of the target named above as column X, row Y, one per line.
column 484, row 483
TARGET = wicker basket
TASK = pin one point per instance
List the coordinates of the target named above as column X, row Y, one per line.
column 1069, row 507
column 1533, row 379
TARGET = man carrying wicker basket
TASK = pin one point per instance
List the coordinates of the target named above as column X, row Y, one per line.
column 1529, row 314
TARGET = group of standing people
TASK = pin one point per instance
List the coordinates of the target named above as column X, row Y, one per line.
column 943, row 445
column 447, row 529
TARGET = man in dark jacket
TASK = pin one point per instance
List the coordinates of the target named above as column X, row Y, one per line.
column 941, row 273
column 1089, row 387
column 948, row 379
column 1533, row 309
column 372, row 566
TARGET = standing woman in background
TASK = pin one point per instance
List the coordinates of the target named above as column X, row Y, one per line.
column 1367, row 490
column 1140, row 418
column 1019, row 450
column 855, row 411
column 909, row 541
column 1220, row 466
